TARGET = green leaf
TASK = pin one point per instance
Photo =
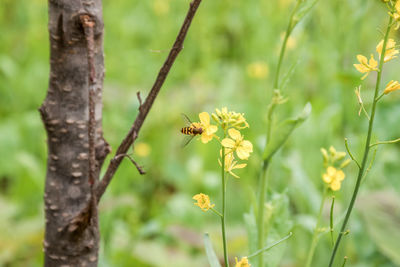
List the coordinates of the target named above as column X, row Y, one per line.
column 381, row 213
column 282, row 132
column 212, row 258
column 251, row 227
column 304, row 9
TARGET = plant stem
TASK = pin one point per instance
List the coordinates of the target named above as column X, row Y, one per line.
column 316, row 230
column 331, row 220
column 260, row 215
column 223, row 206
column 258, row 252
column 289, row 30
column 367, row 146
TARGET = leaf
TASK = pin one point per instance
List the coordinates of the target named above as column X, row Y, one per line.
column 304, row 9
column 381, row 213
column 212, row 258
column 251, row 227
column 280, row 224
column 282, row 132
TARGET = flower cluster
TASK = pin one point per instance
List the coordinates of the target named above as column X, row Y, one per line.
column 228, row 119
column 203, row 201
column 366, row 66
column 244, row 262
column 208, row 129
column 234, row 144
column 334, row 175
column 396, row 14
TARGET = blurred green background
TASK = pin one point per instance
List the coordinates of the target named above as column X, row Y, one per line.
column 229, row 59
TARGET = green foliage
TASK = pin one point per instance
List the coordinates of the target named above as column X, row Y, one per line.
column 212, row 258
column 140, row 214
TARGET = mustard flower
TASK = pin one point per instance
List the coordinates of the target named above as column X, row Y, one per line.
column 244, row 262
column 257, row 70
column 333, row 177
column 208, row 129
column 391, row 50
column 365, row 66
column 203, row 201
column 230, row 119
column 231, row 164
column 236, row 143
column 391, row 86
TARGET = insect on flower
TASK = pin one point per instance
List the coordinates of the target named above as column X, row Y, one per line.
column 191, row 130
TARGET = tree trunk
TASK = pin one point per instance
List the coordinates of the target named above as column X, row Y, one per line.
column 72, row 233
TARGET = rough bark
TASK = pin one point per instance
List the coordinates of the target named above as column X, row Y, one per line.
column 72, row 234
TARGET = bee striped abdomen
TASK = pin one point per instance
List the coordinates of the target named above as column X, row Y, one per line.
column 187, row 130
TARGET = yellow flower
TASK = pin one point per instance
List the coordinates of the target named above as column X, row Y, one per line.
column 244, row 262
column 396, row 15
column 392, row 86
column 242, row 147
column 203, row 201
column 230, row 119
column 333, row 177
column 142, row 149
column 257, row 70
column 391, row 50
column 208, row 129
column 230, row 164
column 365, row 66
column 161, row 7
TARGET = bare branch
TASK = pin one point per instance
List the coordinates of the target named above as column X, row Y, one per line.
column 146, row 106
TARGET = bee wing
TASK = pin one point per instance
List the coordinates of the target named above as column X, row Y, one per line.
column 187, row 120
column 187, row 140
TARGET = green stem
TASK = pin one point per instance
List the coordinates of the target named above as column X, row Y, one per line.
column 216, row 212
column 386, row 142
column 260, row 215
column 289, row 30
column 331, row 220
column 223, row 207
column 258, row 252
column 367, row 147
column 316, row 231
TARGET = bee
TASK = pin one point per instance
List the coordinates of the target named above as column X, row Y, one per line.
column 191, row 130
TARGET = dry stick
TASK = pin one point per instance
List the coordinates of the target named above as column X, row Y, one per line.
column 145, row 107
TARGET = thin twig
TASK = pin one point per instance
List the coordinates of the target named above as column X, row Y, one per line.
column 139, row 168
column 386, row 142
column 351, row 155
column 146, row 106
column 139, row 99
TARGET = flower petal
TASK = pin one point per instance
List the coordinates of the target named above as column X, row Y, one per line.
column 327, row 178
column 211, row 129
column 204, row 118
column 247, row 145
column 234, row 175
column 335, row 185
column 340, row 175
column 235, row 134
column 229, row 143
column 239, row 166
column 205, row 138
column 242, row 154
